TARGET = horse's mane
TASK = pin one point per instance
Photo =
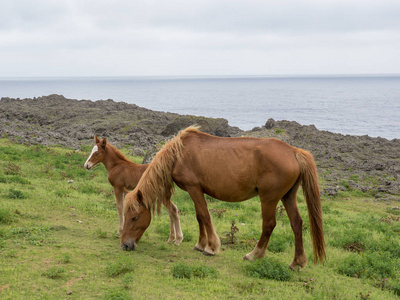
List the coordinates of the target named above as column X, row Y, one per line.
column 156, row 183
column 117, row 152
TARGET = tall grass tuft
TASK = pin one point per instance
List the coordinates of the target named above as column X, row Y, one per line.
column 5, row 216
column 367, row 265
column 122, row 265
column 185, row 271
column 269, row 268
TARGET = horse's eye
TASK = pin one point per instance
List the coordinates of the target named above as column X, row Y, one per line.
column 135, row 218
column 97, row 154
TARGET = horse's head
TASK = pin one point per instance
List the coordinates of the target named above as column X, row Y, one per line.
column 137, row 218
column 98, row 153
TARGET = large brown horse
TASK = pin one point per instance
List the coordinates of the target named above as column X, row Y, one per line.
column 232, row 170
column 123, row 175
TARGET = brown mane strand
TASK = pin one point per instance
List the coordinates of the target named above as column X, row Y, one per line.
column 117, row 152
column 156, row 184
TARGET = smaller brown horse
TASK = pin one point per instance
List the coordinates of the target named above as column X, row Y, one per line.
column 232, row 170
column 124, row 175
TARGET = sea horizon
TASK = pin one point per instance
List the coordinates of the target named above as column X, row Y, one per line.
column 358, row 104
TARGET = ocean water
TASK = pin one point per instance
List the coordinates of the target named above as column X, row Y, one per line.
column 356, row 105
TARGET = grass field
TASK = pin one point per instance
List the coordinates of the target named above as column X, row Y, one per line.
column 57, row 241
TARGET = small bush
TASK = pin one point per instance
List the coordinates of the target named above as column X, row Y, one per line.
column 66, row 258
column 117, row 294
column 12, row 169
column 54, row 272
column 5, row 216
column 202, row 272
column 128, row 279
column 368, row 265
column 182, row 271
column 219, row 213
column 352, row 240
column 279, row 242
column 121, row 266
column 269, row 268
column 188, row 236
column 393, row 211
column 13, row 179
column 17, row 179
column 395, row 287
column 15, row 194
column 101, row 234
column 185, row 271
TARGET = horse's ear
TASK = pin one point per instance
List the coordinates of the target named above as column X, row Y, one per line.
column 140, row 197
column 96, row 139
column 103, row 143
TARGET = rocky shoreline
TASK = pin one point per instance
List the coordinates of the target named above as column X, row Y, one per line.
column 344, row 162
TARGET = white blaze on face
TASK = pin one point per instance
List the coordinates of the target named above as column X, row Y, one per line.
column 88, row 164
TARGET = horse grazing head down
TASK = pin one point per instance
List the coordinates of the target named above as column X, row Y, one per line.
column 98, row 153
column 137, row 218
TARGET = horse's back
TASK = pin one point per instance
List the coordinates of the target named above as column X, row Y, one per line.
column 235, row 169
column 126, row 175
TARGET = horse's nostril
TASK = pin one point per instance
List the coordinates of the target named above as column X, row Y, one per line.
column 128, row 247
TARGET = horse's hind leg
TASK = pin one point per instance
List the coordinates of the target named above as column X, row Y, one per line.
column 175, row 232
column 268, row 208
column 290, row 204
column 209, row 241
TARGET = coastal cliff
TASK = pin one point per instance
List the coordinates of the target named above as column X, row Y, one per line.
column 344, row 162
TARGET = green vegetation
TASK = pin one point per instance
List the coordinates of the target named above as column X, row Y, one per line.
column 185, row 271
column 57, row 240
column 269, row 268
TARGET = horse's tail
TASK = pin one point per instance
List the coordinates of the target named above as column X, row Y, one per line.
column 309, row 179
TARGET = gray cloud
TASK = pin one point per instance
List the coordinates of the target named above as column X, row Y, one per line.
column 103, row 38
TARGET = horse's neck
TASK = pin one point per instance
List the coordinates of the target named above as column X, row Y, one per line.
column 111, row 160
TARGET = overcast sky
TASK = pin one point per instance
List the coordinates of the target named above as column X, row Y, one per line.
column 198, row 37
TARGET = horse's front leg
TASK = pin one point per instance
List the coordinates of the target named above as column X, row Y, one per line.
column 175, row 231
column 209, row 241
column 119, row 197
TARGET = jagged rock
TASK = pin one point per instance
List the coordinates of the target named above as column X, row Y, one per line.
column 55, row 120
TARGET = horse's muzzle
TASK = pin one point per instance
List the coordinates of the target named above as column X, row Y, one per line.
column 129, row 246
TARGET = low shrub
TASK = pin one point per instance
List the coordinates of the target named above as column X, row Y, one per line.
column 127, row 280
column 15, row 194
column 367, row 265
column 186, row 271
column 122, row 265
column 54, row 272
column 117, row 294
column 395, row 287
column 269, row 268
column 12, row 169
column 5, row 216
column 279, row 242
column 101, row 234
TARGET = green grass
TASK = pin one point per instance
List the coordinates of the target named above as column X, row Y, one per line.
column 57, row 241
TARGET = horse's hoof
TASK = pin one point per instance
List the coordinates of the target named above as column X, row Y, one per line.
column 197, row 249
column 208, row 253
column 247, row 257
